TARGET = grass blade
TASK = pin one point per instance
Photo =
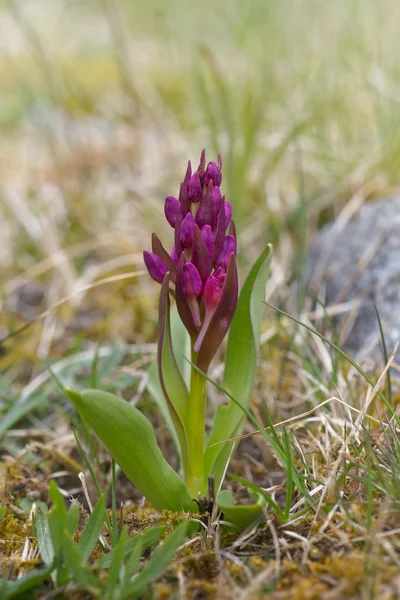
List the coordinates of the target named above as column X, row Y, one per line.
column 92, row 531
column 155, row 567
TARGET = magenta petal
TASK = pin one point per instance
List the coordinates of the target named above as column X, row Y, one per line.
column 214, row 172
column 221, row 318
column 205, row 214
column 228, row 213
column 228, row 248
column 195, row 191
column 213, row 289
column 171, row 208
column 232, row 231
column 191, row 280
column 155, row 266
column 182, row 304
column 206, row 234
column 201, row 169
column 174, row 255
column 217, row 204
column 183, row 192
column 186, row 231
column 200, row 255
column 220, row 229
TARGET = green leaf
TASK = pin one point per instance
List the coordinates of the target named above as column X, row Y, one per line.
column 181, row 347
column 240, row 366
column 171, row 378
column 44, row 538
column 155, row 567
column 14, row 589
column 79, row 573
column 240, row 516
column 171, row 381
column 256, row 491
column 145, row 539
column 117, row 562
column 17, row 412
column 134, row 558
column 92, row 531
column 57, row 517
column 129, row 438
column 73, row 516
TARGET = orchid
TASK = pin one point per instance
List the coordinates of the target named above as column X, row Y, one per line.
column 202, row 262
column 199, row 274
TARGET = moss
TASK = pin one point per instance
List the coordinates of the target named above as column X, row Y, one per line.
column 200, row 589
column 203, row 565
column 256, row 564
column 13, row 533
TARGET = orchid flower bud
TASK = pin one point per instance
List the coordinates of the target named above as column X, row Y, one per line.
column 212, row 292
column 186, row 231
column 195, row 191
column 171, row 208
column 213, row 288
column 155, row 266
column 206, row 234
column 228, row 213
column 228, row 248
column 205, row 214
column 214, row 172
column 192, row 288
column 201, row 169
column 217, row 203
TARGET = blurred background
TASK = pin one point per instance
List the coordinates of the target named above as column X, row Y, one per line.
column 104, row 101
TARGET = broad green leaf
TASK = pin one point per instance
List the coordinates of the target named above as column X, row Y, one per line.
column 181, row 347
column 155, row 567
column 240, row 516
column 92, row 531
column 255, row 491
column 44, row 537
column 171, row 381
column 180, row 344
column 129, row 438
column 241, row 364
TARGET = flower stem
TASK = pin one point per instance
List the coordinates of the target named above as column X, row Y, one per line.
column 196, row 417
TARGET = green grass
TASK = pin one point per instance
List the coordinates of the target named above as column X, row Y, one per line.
column 102, row 104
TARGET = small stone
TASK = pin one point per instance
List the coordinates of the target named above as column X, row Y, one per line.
column 361, row 261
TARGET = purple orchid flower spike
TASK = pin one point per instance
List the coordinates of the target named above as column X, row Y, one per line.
column 202, row 263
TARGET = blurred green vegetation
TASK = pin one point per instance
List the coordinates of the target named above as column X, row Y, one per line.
column 286, row 91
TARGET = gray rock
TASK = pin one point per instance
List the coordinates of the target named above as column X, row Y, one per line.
column 360, row 262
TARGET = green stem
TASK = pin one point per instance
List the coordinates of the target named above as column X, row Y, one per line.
column 196, row 418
